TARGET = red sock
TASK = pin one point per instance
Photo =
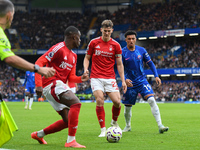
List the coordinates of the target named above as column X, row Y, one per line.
column 115, row 112
column 55, row 127
column 101, row 115
column 73, row 118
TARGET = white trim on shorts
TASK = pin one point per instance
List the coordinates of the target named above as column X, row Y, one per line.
column 73, row 89
column 51, row 94
column 105, row 85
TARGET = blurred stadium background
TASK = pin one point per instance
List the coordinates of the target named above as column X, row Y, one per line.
column 168, row 29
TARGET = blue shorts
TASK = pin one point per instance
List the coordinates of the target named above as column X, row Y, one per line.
column 131, row 94
column 30, row 89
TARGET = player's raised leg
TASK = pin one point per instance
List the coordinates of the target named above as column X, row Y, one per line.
column 55, row 127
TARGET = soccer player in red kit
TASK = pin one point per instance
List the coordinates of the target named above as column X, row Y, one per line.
column 63, row 60
column 104, row 52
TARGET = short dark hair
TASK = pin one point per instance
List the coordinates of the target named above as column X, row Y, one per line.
column 130, row 32
column 107, row 23
column 5, row 7
column 71, row 30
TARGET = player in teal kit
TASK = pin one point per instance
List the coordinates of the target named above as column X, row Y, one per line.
column 133, row 57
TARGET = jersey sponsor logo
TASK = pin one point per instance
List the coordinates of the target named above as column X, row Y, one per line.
column 6, row 50
column 102, row 53
column 51, row 54
column 97, row 52
column 65, row 65
column 97, row 46
column 65, row 58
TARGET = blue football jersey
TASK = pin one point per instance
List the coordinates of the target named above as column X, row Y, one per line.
column 133, row 64
column 29, row 79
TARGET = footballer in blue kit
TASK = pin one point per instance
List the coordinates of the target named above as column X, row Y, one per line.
column 133, row 57
column 30, row 88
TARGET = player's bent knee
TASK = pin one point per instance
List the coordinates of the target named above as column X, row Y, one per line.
column 151, row 100
column 117, row 104
column 100, row 101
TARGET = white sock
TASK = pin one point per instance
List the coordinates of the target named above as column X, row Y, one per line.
column 40, row 133
column 155, row 110
column 31, row 102
column 103, row 129
column 127, row 115
column 26, row 100
column 70, row 138
column 113, row 121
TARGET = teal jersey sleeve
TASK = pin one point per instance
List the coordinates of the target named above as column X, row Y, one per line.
column 5, row 47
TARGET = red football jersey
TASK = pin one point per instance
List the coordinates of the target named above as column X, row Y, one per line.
column 103, row 57
column 61, row 59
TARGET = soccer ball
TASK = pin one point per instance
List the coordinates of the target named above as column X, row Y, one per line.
column 113, row 134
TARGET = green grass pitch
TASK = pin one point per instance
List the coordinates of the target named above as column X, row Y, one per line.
column 183, row 121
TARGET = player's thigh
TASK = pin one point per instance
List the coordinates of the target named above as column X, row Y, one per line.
column 130, row 97
column 115, row 97
column 99, row 96
column 32, row 91
column 146, row 90
column 27, row 91
column 68, row 98
column 110, row 85
column 52, row 92
column 97, row 84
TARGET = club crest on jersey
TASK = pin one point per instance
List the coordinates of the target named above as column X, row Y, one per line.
column 139, row 56
column 51, row 54
column 110, row 48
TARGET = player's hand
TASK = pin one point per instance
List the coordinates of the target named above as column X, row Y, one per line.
column 86, row 71
column 129, row 83
column 85, row 77
column 158, row 81
column 39, row 91
column 124, row 87
column 46, row 71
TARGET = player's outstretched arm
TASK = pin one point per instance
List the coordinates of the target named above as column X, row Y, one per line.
column 21, row 63
column 46, row 71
